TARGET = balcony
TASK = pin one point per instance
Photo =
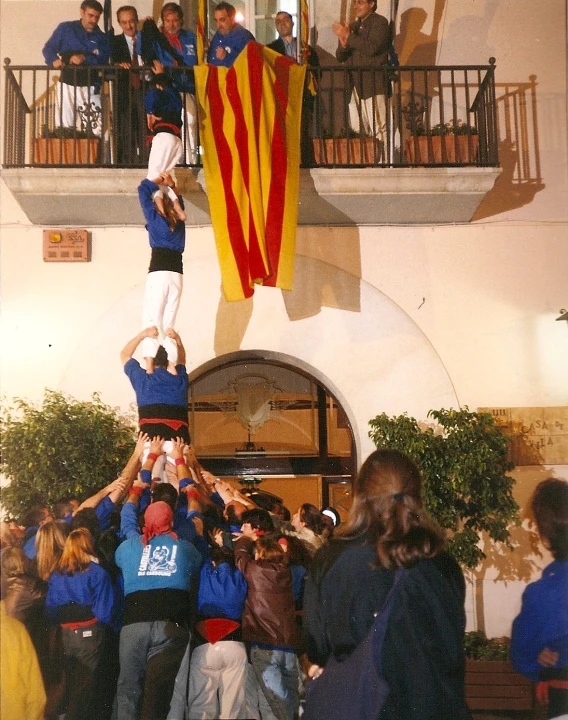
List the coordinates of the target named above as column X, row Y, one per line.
column 433, row 161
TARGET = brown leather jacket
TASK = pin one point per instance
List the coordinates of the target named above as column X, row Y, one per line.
column 269, row 616
column 367, row 46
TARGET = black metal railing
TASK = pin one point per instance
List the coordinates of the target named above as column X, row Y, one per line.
column 358, row 117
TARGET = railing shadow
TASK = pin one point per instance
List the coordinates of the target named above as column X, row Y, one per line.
column 519, row 152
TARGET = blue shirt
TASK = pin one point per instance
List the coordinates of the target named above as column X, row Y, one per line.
column 71, row 37
column 159, row 387
column 182, row 79
column 92, row 588
column 222, row 591
column 163, row 563
column 233, row 43
column 542, row 622
column 159, row 233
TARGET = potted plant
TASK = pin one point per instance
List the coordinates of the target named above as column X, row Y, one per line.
column 65, row 146
column 454, row 142
column 346, row 148
column 464, row 462
column 490, row 681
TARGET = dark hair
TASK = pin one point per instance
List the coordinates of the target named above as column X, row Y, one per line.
column 166, row 492
column 86, row 518
column 311, row 516
column 171, row 7
column 222, row 555
column 549, row 505
column 231, row 11
column 161, row 359
column 105, row 548
column 285, row 12
column 62, row 508
column 269, row 550
column 258, row 520
column 126, row 8
column 387, row 506
column 35, row 515
column 93, row 4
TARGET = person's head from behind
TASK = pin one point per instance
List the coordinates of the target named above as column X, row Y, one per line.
column 549, row 505
column 49, row 542
column 166, row 207
column 172, row 18
column 78, row 552
column 258, row 521
column 91, row 11
column 234, row 511
column 220, row 555
column 165, row 492
column 387, row 505
column 284, row 24
column 225, row 17
column 13, row 564
column 127, row 17
column 308, row 516
column 161, row 358
column 87, row 518
column 269, row 550
column 38, row 516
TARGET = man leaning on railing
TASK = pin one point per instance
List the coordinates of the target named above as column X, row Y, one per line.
column 74, row 47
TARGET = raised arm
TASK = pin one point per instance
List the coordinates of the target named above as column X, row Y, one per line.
column 130, row 348
column 171, row 333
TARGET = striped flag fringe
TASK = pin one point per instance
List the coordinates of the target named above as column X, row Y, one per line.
column 249, row 118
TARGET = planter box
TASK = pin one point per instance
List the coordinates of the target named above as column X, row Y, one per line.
column 494, row 685
column 352, row 151
column 65, row 151
column 424, row 150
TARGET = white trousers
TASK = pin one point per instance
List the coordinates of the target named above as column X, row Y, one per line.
column 166, row 151
column 217, row 680
column 190, row 128
column 368, row 116
column 161, row 302
column 78, row 107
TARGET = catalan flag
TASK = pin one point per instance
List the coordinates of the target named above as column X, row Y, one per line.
column 250, row 132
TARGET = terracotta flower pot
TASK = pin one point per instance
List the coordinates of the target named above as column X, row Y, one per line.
column 65, row 151
column 343, row 151
column 494, row 685
column 441, row 149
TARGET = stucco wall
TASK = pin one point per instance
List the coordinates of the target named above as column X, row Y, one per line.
column 393, row 319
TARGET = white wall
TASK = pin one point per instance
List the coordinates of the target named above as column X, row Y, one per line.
column 394, row 319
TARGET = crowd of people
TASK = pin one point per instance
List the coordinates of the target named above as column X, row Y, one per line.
column 186, row 598
column 79, row 48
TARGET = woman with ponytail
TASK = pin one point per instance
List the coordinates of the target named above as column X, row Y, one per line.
column 80, row 599
column 422, row 657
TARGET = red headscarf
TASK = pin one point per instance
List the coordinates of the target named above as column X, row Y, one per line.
column 157, row 521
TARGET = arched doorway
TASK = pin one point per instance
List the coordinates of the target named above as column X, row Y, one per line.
column 266, row 416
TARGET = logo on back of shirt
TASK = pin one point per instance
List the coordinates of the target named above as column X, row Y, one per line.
column 157, row 561
column 190, row 49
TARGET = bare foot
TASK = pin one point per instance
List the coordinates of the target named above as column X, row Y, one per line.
column 179, row 211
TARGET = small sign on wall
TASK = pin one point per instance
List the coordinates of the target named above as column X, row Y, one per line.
column 66, row 246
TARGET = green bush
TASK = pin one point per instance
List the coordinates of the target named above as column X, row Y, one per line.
column 479, row 647
column 63, row 447
column 464, row 462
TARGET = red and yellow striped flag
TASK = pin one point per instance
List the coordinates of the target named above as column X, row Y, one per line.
column 200, row 31
column 305, row 25
column 250, row 132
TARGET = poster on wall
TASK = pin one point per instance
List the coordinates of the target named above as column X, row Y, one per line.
column 539, row 436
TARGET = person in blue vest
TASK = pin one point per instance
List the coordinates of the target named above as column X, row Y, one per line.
column 230, row 38
column 74, row 48
column 158, row 570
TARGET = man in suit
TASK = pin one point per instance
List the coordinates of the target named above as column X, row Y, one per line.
column 129, row 118
column 286, row 44
column 365, row 44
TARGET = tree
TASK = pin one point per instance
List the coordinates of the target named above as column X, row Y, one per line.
column 64, row 447
column 464, row 461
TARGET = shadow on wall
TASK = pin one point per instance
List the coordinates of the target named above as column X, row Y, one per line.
column 519, row 153
column 327, row 273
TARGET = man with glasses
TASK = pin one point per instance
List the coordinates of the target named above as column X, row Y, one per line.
column 364, row 44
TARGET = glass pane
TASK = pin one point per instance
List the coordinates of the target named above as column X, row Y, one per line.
column 338, row 432
column 265, row 31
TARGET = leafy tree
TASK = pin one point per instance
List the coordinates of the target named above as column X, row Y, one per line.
column 64, row 447
column 464, row 462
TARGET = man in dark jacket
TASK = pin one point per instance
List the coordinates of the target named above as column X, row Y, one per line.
column 364, row 44
column 287, row 44
column 128, row 104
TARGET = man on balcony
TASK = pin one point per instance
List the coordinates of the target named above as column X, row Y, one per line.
column 174, row 47
column 128, row 107
column 364, row 44
column 230, row 39
column 74, row 48
column 287, row 44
